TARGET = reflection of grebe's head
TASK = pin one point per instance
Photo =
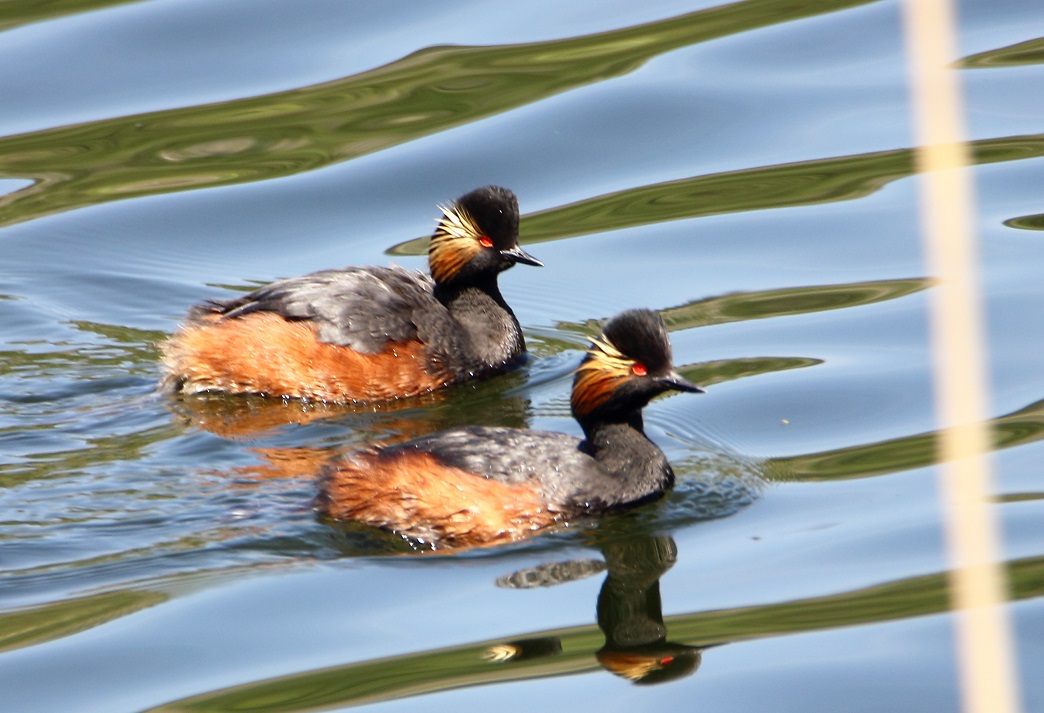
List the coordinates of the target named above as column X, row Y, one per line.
column 649, row 665
column 626, row 367
column 524, row 649
column 477, row 236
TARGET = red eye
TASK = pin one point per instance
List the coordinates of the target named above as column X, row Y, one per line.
column 638, row 369
column 486, row 241
column 666, row 660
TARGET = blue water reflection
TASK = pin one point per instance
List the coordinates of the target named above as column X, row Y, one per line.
column 743, row 168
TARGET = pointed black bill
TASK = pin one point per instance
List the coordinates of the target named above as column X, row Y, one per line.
column 517, row 254
column 677, row 382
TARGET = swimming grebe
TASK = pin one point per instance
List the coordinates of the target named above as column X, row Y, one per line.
column 367, row 333
column 479, row 486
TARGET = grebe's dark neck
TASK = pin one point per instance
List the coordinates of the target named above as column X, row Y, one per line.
column 620, row 446
column 630, row 613
column 493, row 333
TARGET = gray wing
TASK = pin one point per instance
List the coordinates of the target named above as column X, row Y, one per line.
column 507, row 454
column 358, row 307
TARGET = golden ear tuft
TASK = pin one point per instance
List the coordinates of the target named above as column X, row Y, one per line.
column 458, row 223
column 454, row 243
column 629, row 665
column 598, row 376
column 605, row 355
column 500, row 653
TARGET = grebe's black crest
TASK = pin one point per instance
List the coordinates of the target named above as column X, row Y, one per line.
column 477, row 237
column 641, row 335
column 626, row 367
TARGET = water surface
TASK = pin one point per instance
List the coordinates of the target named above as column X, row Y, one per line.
column 744, row 168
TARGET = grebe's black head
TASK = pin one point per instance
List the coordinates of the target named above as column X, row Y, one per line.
column 625, row 368
column 657, row 663
column 477, row 237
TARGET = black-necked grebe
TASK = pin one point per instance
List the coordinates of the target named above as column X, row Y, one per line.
column 479, row 486
column 367, row 333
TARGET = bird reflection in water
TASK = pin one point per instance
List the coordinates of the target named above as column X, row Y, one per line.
column 629, row 610
column 631, row 616
column 257, row 422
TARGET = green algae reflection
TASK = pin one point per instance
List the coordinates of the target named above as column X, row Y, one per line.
column 787, row 185
column 256, row 138
column 469, row 665
column 1020, row 427
column 29, row 627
